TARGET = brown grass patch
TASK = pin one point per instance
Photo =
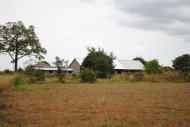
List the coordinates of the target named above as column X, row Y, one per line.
column 101, row 104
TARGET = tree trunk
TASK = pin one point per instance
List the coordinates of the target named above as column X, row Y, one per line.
column 16, row 64
column 16, row 58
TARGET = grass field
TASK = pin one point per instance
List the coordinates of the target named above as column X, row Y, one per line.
column 106, row 104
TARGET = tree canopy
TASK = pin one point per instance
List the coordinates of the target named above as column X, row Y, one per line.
column 152, row 67
column 18, row 41
column 100, row 62
column 140, row 59
column 181, row 62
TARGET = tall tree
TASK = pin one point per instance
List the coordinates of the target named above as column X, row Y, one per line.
column 100, row 62
column 18, row 41
column 181, row 62
column 140, row 59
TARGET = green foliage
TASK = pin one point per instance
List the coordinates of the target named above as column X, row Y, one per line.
column 100, row 62
column 18, row 41
column 88, row 75
column 140, row 59
column 138, row 76
column 29, row 71
column 75, row 76
column 167, row 68
column 7, row 71
column 39, row 74
column 19, row 83
column 187, row 77
column 60, row 64
column 152, row 67
column 34, row 75
column 181, row 62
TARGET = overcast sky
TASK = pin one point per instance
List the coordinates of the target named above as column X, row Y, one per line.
column 152, row 29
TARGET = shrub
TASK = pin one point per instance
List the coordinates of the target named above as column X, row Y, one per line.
column 138, row 76
column 171, row 75
column 29, row 71
column 87, row 75
column 39, row 75
column 7, row 71
column 187, row 77
column 75, row 76
column 19, row 83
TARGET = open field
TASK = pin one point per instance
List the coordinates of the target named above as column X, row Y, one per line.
column 106, row 104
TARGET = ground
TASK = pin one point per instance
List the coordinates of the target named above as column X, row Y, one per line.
column 103, row 104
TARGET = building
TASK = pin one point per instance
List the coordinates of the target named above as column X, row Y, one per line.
column 48, row 69
column 120, row 65
column 128, row 66
column 76, row 64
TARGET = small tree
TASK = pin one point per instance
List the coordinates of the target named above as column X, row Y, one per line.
column 60, row 64
column 152, row 67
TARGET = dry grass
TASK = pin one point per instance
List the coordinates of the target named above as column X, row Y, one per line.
column 104, row 104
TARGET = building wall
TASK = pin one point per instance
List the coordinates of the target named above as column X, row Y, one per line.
column 75, row 66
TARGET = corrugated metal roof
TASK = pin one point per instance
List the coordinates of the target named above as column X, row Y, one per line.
column 52, row 69
column 129, row 65
column 123, row 64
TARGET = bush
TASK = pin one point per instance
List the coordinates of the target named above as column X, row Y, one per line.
column 29, row 71
column 19, row 83
column 87, row 75
column 7, row 71
column 75, row 76
column 39, row 75
column 34, row 75
column 138, row 76
column 171, row 75
column 187, row 77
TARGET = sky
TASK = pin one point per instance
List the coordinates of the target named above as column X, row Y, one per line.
column 151, row 29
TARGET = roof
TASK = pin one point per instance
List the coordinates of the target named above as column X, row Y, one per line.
column 42, row 64
column 122, row 64
column 128, row 65
column 79, row 60
column 52, row 69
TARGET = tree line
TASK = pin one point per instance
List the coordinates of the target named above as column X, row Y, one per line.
column 19, row 41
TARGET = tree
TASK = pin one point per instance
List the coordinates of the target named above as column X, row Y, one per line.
column 60, row 64
column 18, row 41
column 140, row 59
column 153, row 67
column 99, row 62
column 181, row 62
